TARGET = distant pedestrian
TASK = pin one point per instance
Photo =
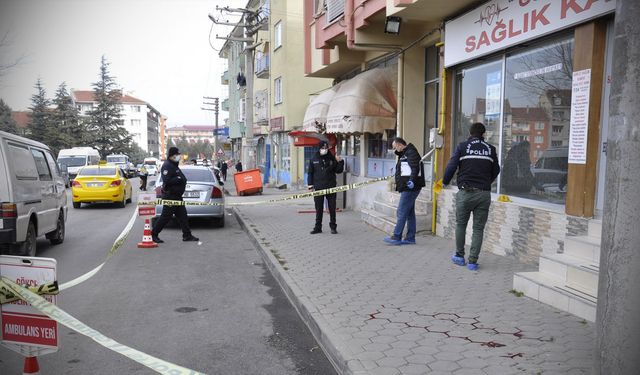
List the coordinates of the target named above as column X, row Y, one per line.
column 239, row 166
column 174, row 183
column 144, row 174
column 223, row 170
column 477, row 164
column 194, row 162
column 322, row 171
column 409, row 180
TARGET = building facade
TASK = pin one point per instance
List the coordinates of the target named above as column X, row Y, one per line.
column 536, row 73
column 138, row 117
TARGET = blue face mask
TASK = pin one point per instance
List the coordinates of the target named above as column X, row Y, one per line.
column 323, row 151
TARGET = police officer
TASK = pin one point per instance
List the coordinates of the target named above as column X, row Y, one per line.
column 477, row 164
column 173, row 185
column 322, row 171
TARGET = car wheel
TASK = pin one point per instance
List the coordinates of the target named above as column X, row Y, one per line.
column 218, row 222
column 28, row 247
column 57, row 236
column 76, row 204
column 123, row 203
column 130, row 197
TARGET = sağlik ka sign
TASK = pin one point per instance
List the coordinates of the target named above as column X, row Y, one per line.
column 499, row 24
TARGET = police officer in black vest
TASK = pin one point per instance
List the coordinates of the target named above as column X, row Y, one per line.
column 322, row 171
column 174, row 183
column 477, row 164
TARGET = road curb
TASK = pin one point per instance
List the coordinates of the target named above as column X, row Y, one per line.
column 333, row 347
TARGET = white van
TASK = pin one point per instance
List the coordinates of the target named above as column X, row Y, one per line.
column 152, row 165
column 77, row 157
column 33, row 200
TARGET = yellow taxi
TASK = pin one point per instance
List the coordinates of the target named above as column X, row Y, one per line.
column 103, row 183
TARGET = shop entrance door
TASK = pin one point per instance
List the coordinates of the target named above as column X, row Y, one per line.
column 604, row 124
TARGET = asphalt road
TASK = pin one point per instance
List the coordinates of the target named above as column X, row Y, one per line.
column 212, row 307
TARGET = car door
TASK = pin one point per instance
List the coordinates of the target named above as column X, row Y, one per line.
column 59, row 182
column 48, row 212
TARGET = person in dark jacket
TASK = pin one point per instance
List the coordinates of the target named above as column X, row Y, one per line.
column 174, row 183
column 409, row 180
column 239, row 166
column 477, row 164
column 322, row 171
column 223, row 170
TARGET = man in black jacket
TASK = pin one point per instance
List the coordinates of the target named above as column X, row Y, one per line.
column 322, row 171
column 409, row 180
column 477, row 164
column 174, row 183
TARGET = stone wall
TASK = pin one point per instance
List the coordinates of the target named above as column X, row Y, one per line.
column 513, row 229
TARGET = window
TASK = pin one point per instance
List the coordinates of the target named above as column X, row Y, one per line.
column 431, row 93
column 277, row 83
column 528, row 103
column 277, row 35
column 135, row 123
column 23, row 165
column 135, row 108
column 44, row 173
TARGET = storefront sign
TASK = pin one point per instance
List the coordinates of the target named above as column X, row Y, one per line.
column 277, row 124
column 581, row 85
column 499, row 24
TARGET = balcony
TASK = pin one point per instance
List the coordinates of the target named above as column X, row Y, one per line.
column 224, row 79
column 225, row 105
column 262, row 66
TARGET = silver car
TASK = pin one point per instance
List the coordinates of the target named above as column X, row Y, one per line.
column 202, row 186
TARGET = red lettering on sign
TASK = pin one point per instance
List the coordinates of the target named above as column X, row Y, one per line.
column 566, row 4
column 499, row 32
column 539, row 17
column 524, row 3
column 29, row 330
column 512, row 32
column 484, row 39
column 471, row 44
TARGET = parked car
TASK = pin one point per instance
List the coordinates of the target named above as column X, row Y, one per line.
column 103, row 183
column 202, row 186
column 64, row 173
column 550, row 171
column 151, row 169
column 122, row 161
column 32, row 195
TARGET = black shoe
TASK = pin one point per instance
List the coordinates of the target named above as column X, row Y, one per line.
column 315, row 231
column 156, row 239
column 190, row 238
column 334, row 231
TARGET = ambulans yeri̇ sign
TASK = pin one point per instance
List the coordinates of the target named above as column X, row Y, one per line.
column 24, row 329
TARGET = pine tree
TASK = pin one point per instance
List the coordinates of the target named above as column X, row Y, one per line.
column 7, row 123
column 68, row 131
column 105, row 124
column 39, row 116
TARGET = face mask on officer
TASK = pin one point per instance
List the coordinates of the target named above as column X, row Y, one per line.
column 323, row 151
column 176, row 158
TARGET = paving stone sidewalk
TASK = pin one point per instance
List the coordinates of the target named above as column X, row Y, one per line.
column 382, row 309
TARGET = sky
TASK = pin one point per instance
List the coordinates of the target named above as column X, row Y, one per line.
column 158, row 50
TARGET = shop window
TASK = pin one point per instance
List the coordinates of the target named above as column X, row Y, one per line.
column 431, row 93
column 285, row 152
column 381, row 159
column 525, row 111
column 538, row 90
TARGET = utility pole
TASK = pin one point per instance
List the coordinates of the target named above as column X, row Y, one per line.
column 216, row 111
column 618, row 311
column 251, row 22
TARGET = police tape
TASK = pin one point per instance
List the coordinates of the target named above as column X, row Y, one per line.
column 333, row 190
column 7, row 295
column 114, row 249
column 62, row 317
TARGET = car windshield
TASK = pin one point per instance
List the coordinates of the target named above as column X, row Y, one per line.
column 115, row 159
column 73, row 161
column 150, row 163
column 97, row 171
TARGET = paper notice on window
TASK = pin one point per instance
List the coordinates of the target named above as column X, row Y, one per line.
column 405, row 169
column 579, row 128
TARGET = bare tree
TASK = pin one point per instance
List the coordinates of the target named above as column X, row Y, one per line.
column 6, row 66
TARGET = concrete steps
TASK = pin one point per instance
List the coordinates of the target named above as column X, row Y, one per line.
column 567, row 281
column 384, row 212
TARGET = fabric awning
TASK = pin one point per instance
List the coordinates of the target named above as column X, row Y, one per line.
column 365, row 103
column 318, row 108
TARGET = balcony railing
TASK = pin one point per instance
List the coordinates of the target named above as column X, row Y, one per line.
column 262, row 66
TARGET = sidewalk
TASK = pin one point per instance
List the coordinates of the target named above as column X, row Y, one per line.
column 380, row 309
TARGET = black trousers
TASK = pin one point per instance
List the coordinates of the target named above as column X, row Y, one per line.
column 331, row 202
column 167, row 213
column 143, row 182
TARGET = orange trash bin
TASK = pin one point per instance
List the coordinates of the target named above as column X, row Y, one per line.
column 248, row 182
